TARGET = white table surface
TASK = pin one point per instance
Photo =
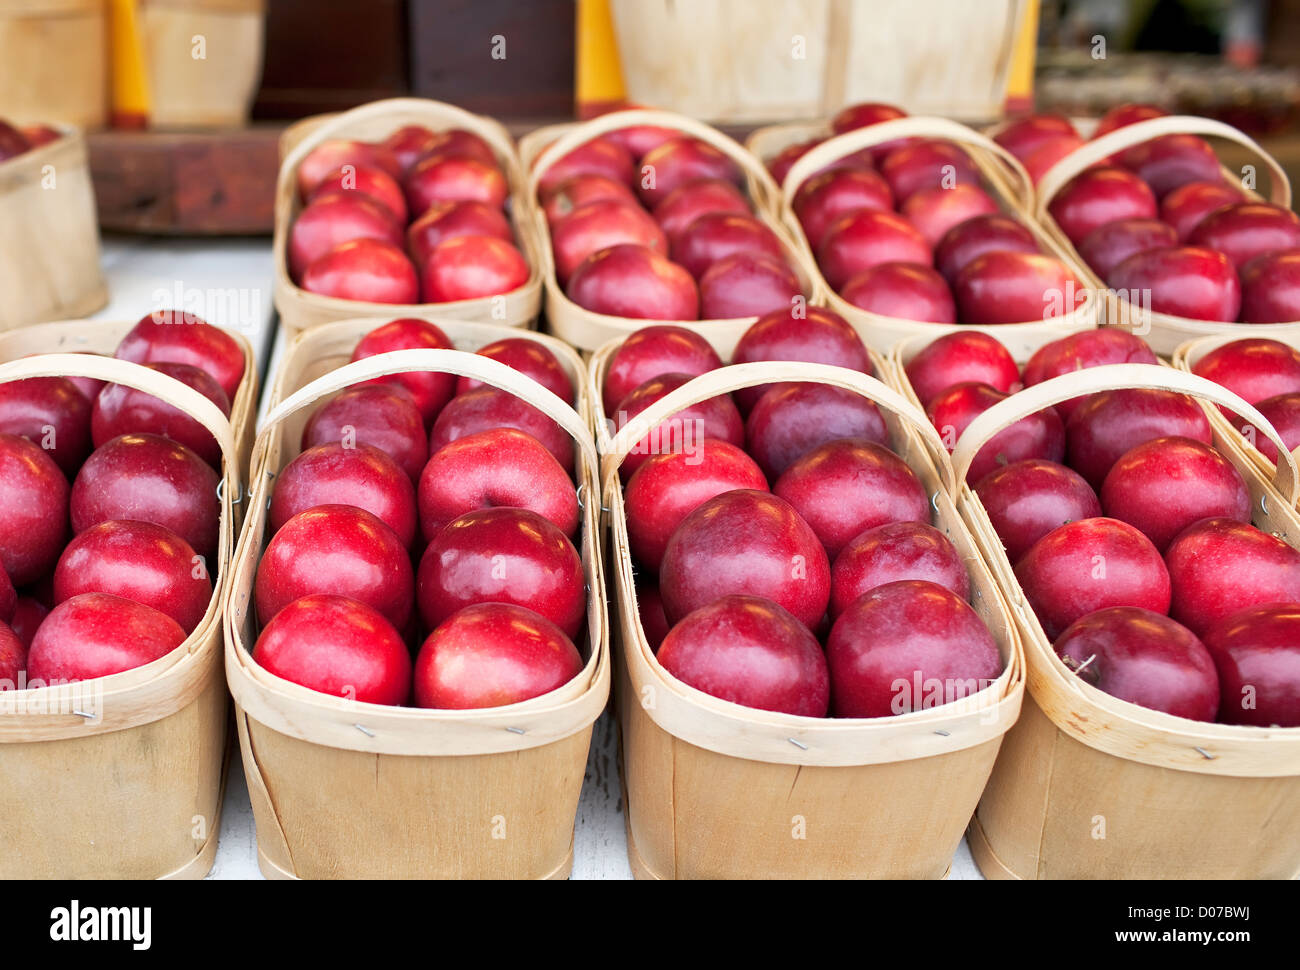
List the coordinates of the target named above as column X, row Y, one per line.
column 231, row 279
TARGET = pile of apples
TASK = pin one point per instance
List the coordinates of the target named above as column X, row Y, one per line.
column 135, row 481
column 1129, row 533
column 785, row 557
column 906, row 229
column 651, row 224
column 1265, row 373
column 416, row 218
column 17, row 141
column 1160, row 220
column 430, row 514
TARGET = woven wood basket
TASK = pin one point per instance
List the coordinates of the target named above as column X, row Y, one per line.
column 55, row 57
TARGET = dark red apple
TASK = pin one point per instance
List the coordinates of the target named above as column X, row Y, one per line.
column 9, row 596
column 845, row 487
column 1090, row 565
column 1186, row 281
column 1243, row 230
column 1257, row 655
column 639, row 140
column 368, row 270
column 502, row 556
column 172, row 336
column 716, row 235
column 337, row 474
column 792, row 419
column 1143, row 658
column 745, row 542
column 335, row 219
column 927, row 164
column 581, row 189
column 1014, row 287
column 1079, row 351
column 634, row 282
column 688, row 202
column 675, row 162
column 750, row 651
column 500, row 467
column 1283, row 413
column 1254, row 368
column 532, row 359
column 1166, row 484
column 458, row 141
column 1024, row 135
column 138, row 561
column 1028, row 499
column 1044, row 158
column 650, row 611
column 1100, row 195
column 28, row 616
column 910, row 291
column 600, row 156
column 864, row 116
column 13, row 659
column 1123, row 115
column 337, row 646
column 1107, row 246
column 747, row 284
column 410, row 143
column 1039, row 435
column 1270, row 288
column 599, row 225
column 12, row 142
column 824, row 198
column 976, row 236
column 779, row 165
column 367, row 181
column 330, row 155
column 491, row 655
column 1172, row 161
column 1221, row 566
column 1187, row 205
column 147, row 478
column 430, row 390
column 891, row 553
column 1109, row 424
column 51, row 413
column 446, row 177
column 908, row 646
column 808, row 334
column 935, row 211
column 33, row 510
column 959, row 358
column 97, row 634
column 123, row 410
column 653, row 351
column 471, row 268
column 448, row 220
column 489, row 407
column 716, row 417
column 380, row 415
column 865, row 238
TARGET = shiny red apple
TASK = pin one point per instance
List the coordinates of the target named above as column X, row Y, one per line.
column 1187, row 205
column 120, row 410
column 697, row 198
column 1015, row 287
column 927, row 164
column 865, row 238
column 1039, row 435
column 50, row 412
column 370, row 182
column 337, row 474
column 1100, row 195
column 1186, row 281
column 489, row 407
column 634, row 282
column 1109, row 424
column 1270, row 288
column 747, row 284
column 891, row 553
column 334, row 219
column 935, row 211
column 716, row 235
column 807, row 334
column 448, row 220
column 172, row 336
column 715, row 417
column 383, row 416
column 1244, row 230
column 909, row 291
column 97, row 634
column 1257, row 655
column 430, row 390
column 33, row 510
column 824, row 198
column 447, row 177
column 976, row 236
column 1172, row 161
column 792, row 419
column 472, row 268
column 1026, row 500
column 1107, row 246
column 600, row 156
column 532, row 359
column 368, row 270
column 597, row 226
column 675, row 162
column 962, row 357
column 652, row 351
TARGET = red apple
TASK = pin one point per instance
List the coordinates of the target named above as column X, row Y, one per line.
column 337, row 646
column 410, row 143
column 808, row 334
column 171, row 336
column 1044, row 158
column 793, row 419
column 532, row 359
column 430, row 390
column 1079, row 351
column 927, row 164
column 824, row 198
column 750, row 651
column 845, row 487
column 1038, row 435
column 1187, row 205
column 1254, row 369
column 688, row 202
column 50, row 412
column 1257, row 654
column 715, row 235
column 864, row 116
column 1172, row 161
column 634, row 282
column 1143, row 658
column 650, row 611
column 138, row 561
column 1109, row 424
column 892, row 553
column 338, row 474
column 935, row 211
column 1107, row 246
column 369, row 182
column 458, row 141
column 33, row 510
column 502, row 556
column 28, row 616
column 1028, row 499
column 1243, row 230
column 1123, row 115
column 9, row 597
column 910, row 291
column 865, row 238
column 369, row 270
column 601, row 156
column 599, row 225
column 779, row 165
column 1283, row 413
column 976, row 236
column 334, row 219
column 380, row 415
column 1014, row 287
column 147, row 478
column 745, row 542
column 653, row 351
column 1186, row 281
column 1166, row 484
column 13, row 658
column 675, row 162
column 1270, row 288
column 471, row 268
column 445, row 177
column 716, row 417
column 959, row 358
column 639, row 140
column 1221, row 566
column 571, row 195
column 12, row 142
column 97, row 634
column 123, row 410
column 1100, row 195
column 491, row 655
column 448, row 220
column 1024, row 135
column 908, row 646
column 500, row 467
column 747, row 284
column 489, row 407
column 38, row 135
column 1090, row 565
column 329, row 155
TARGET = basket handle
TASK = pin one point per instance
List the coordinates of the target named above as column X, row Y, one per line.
column 458, row 362
column 917, row 126
column 614, row 120
column 1116, row 377
column 1116, row 141
column 737, row 376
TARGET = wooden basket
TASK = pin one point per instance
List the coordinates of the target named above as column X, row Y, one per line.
column 1089, row 786
column 1163, row 331
column 49, row 236
column 347, row 789
column 121, row 777
column 55, row 57
column 1012, row 188
column 300, row 310
column 215, row 91
column 587, row 330
column 718, row 790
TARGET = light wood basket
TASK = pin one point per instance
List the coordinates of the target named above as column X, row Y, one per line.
column 55, row 57
column 343, row 789
column 1012, row 188
column 134, row 791
column 587, row 330
column 300, row 310
column 717, row 790
column 1163, row 331
column 1091, row 787
column 49, row 235
column 215, row 91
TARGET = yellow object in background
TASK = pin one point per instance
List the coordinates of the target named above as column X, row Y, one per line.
column 130, row 106
column 1020, row 82
column 598, row 75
